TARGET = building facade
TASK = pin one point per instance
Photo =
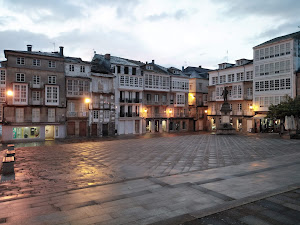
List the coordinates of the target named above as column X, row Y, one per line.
column 275, row 64
column 128, row 83
column 78, row 85
column 238, row 80
column 36, row 111
column 197, row 98
column 102, row 118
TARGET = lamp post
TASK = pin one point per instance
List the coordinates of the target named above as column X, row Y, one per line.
column 88, row 101
column 8, row 94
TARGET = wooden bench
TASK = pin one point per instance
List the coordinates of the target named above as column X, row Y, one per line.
column 10, row 153
column 8, row 165
column 11, row 147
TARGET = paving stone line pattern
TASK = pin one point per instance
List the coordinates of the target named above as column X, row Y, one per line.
column 276, row 210
column 48, row 169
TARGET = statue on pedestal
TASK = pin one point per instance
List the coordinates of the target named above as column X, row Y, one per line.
column 225, row 94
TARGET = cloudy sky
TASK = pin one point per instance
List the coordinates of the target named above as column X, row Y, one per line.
column 173, row 32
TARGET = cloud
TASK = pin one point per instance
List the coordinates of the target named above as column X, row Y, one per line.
column 179, row 14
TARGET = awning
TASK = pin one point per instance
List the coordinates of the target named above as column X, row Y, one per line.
column 259, row 116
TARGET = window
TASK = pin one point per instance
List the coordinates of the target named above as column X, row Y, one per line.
column 126, row 70
column 20, row 61
column 267, row 53
column 271, row 52
column 51, row 95
column 51, row 115
column 106, row 114
column 71, row 68
column 282, row 49
column 282, row 83
column 288, row 83
column 249, row 91
column 82, row 69
column 287, row 66
column 239, row 107
column 51, row 64
column 272, row 85
column 256, row 55
column 2, row 77
column 277, row 66
column 282, row 66
column 276, row 84
column 133, row 71
column 19, row 115
column 35, row 115
column 36, row 96
column 20, row 77
column 119, row 69
column 287, row 48
column 180, row 99
column 96, row 114
column 148, row 97
column 156, row 99
column 36, row 62
column 249, row 75
column 261, row 54
column 256, row 86
column 36, row 79
column 52, row 79
column 261, row 70
column 272, row 68
column 164, row 98
column 266, row 85
column 261, row 86
column 20, row 94
column 229, row 78
column 256, row 71
column 276, row 50
column 267, row 69
column 2, row 95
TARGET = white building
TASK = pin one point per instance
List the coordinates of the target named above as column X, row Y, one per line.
column 275, row 64
column 237, row 78
column 128, row 83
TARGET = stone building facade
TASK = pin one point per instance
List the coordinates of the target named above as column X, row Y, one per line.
column 37, row 109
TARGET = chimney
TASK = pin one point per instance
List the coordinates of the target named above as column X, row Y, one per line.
column 182, row 68
column 107, row 56
column 200, row 66
column 152, row 61
column 29, row 48
column 61, row 50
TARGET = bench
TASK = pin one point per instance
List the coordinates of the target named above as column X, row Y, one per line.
column 10, row 153
column 8, row 165
column 11, row 147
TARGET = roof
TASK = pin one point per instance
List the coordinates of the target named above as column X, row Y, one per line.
column 39, row 53
column 75, row 60
column 101, row 65
column 117, row 60
column 234, row 65
column 156, row 68
column 295, row 35
column 196, row 72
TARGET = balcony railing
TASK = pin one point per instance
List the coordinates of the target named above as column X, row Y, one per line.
column 32, row 85
column 72, row 114
column 101, row 105
column 77, row 114
column 128, row 114
column 37, row 102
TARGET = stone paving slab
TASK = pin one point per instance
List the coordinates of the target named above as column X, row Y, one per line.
column 145, row 201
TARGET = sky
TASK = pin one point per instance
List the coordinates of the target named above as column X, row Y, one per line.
column 172, row 32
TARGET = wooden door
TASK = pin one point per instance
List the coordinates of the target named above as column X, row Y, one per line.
column 71, row 128
column 105, row 129
column 94, row 129
column 82, row 128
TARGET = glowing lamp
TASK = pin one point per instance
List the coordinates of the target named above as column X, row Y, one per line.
column 250, row 107
column 9, row 93
column 205, row 111
column 87, row 100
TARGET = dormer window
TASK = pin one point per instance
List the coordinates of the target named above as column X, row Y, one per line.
column 71, row 68
column 149, row 67
column 82, row 69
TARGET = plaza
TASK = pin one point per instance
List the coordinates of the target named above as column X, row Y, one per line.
column 168, row 179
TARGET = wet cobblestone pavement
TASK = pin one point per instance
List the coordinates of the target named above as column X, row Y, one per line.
column 47, row 169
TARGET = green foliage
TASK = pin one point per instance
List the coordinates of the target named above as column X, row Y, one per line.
column 286, row 108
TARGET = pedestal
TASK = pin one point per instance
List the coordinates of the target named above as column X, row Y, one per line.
column 225, row 126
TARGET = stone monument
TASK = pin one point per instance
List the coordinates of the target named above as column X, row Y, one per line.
column 225, row 126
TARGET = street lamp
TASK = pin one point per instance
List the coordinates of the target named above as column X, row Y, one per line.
column 87, row 100
column 9, row 93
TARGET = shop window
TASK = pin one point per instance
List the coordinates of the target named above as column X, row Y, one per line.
column 26, row 132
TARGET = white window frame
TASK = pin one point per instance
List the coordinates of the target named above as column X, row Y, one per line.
column 18, row 99
column 52, row 79
column 36, row 96
column 71, row 68
column 2, row 77
column 36, row 112
column 19, row 115
column 36, row 79
column 50, row 100
column 51, row 64
column 51, row 115
column 36, row 62
column 20, row 77
column 82, row 69
column 20, row 61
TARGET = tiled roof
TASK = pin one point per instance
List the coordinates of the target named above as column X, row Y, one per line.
column 75, row 60
column 117, row 60
column 49, row 54
column 295, row 35
column 196, row 72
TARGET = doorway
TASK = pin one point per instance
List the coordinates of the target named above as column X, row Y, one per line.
column 156, row 125
column 49, row 132
column 82, row 129
column 137, row 126
column 94, row 129
column 71, row 128
column 164, row 126
column 105, row 129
